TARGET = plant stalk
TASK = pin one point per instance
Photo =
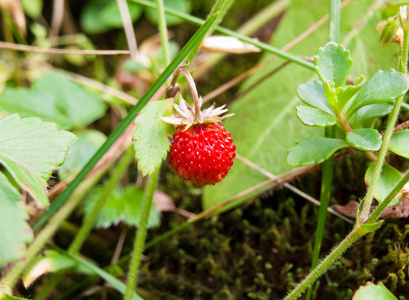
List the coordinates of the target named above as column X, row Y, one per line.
column 367, row 201
column 335, row 254
column 139, row 242
column 163, row 31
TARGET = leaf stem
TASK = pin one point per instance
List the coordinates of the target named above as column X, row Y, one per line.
column 196, row 100
column 139, row 242
column 163, row 31
column 335, row 254
column 366, row 205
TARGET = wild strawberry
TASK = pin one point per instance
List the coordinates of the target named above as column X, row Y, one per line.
column 202, row 151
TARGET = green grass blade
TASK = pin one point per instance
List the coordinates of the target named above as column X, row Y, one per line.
column 295, row 59
column 59, row 201
column 116, row 283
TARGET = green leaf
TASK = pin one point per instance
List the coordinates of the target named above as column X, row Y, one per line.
column 132, row 65
column 388, row 179
column 312, row 93
column 344, row 94
column 373, row 292
column 384, row 86
column 179, row 5
column 30, row 150
column 151, row 137
column 116, row 283
column 15, row 233
column 312, row 116
column 9, row 297
column 367, row 228
column 365, row 139
column 333, row 63
column 399, row 143
column 81, row 151
column 99, row 16
column 121, row 205
column 368, row 114
column 56, row 98
column 314, row 150
column 50, row 262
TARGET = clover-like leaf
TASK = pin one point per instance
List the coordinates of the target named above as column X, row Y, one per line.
column 15, row 233
column 80, row 152
column 374, row 292
column 51, row 262
column 314, row 150
column 151, row 137
column 386, row 182
column 312, row 93
column 312, row 116
column 54, row 97
column 121, row 206
column 399, row 143
column 31, row 149
column 333, row 63
column 365, row 139
column 384, row 86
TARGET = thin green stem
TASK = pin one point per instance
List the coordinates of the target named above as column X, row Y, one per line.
column 194, row 20
column 55, row 222
column 335, row 21
column 335, row 254
column 59, row 201
column 163, row 31
column 139, row 242
column 366, row 205
column 328, row 165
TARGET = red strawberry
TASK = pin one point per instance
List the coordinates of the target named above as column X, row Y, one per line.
column 202, row 154
column 202, row 151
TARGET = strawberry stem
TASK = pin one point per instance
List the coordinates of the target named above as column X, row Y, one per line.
column 196, row 101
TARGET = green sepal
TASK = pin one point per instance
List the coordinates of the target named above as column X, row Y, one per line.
column 389, row 30
column 367, row 228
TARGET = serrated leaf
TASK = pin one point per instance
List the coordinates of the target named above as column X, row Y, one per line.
column 121, row 206
column 387, row 180
column 384, row 86
column 331, row 94
column 312, row 93
column 399, row 143
column 365, row 139
column 333, row 63
column 81, row 151
column 56, row 98
column 312, row 116
column 15, row 233
column 373, row 292
column 314, row 150
column 151, row 137
column 50, row 262
column 116, row 283
column 344, row 94
column 30, row 150
column 367, row 115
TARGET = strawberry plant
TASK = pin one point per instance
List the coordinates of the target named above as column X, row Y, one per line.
column 149, row 164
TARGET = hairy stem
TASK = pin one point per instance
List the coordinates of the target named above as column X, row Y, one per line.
column 363, row 216
column 163, row 31
column 139, row 242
